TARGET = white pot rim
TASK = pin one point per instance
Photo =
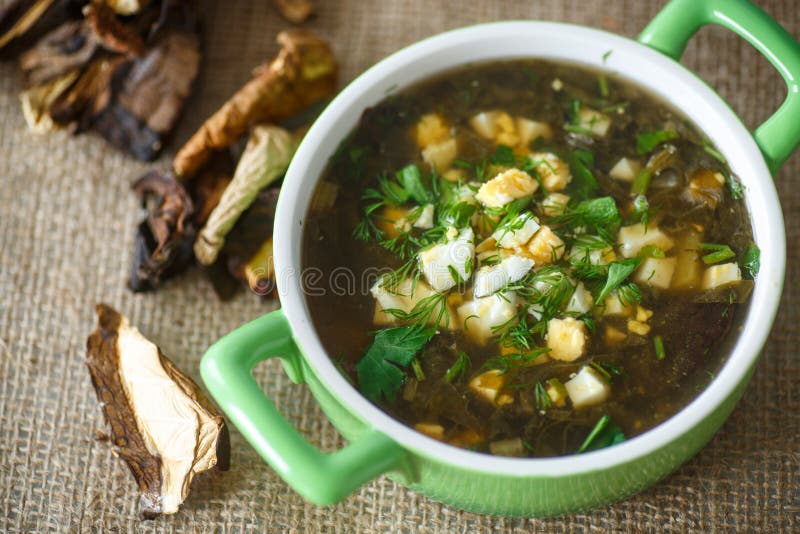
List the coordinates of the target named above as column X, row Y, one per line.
column 567, row 42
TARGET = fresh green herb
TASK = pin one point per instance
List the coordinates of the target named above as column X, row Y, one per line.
column 629, row 294
column 736, row 188
column 646, row 142
column 458, row 369
column 606, row 369
column 751, row 260
column 411, row 179
column 658, row 344
column 508, row 362
column 607, row 54
column 584, row 184
column 542, row 399
column 618, row 271
column 651, row 251
column 457, row 214
column 717, row 253
column 641, row 182
column 380, row 371
column 504, row 156
column 713, row 152
column 597, row 212
column 431, row 310
column 604, row 434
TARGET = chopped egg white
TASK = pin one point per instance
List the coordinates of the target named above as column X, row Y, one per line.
column 529, row 130
column 720, row 275
column 595, row 122
column 632, row 238
column 656, row 272
column 517, row 232
column 481, row 314
column 587, row 388
column 403, row 296
column 554, row 204
column 553, row 171
column 581, row 300
column 425, row 219
column 458, row 254
column 487, row 385
column 625, row 170
column 492, row 278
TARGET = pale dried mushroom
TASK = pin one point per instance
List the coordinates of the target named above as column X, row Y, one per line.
column 161, row 425
column 295, row 11
column 304, row 72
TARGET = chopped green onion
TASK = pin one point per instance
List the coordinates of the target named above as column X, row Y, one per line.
column 641, row 182
column 710, row 150
column 658, row 344
column 602, row 83
column 604, row 434
column 717, row 253
column 646, row 142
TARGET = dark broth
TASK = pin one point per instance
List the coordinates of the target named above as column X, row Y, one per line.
column 437, row 392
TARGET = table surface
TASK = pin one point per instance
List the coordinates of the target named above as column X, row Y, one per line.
column 67, row 220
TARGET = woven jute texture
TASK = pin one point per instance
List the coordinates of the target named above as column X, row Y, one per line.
column 67, row 218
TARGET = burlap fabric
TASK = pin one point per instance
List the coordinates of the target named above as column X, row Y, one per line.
column 66, row 229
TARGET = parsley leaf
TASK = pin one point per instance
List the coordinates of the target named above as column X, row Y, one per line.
column 503, row 156
column 618, row 271
column 584, row 184
column 598, row 213
column 380, row 371
column 411, row 179
column 604, row 434
column 646, row 142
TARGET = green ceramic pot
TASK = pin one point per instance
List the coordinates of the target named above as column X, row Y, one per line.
column 478, row 482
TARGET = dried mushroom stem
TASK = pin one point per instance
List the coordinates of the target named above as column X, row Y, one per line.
column 25, row 21
column 295, row 11
column 268, row 153
column 304, row 72
column 162, row 426
column 36, row 102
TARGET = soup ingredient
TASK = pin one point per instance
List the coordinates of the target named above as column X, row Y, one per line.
column 266, row 156
column 304, row 72
column 392, row 349
column 604, row 434
column 162, row 426
column 295, row 11
column 164, row 236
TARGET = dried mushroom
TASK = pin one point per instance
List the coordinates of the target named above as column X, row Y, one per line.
column 268, row 153
column 162, row 426
column 24, row 21
column 295, row 11
column 134, row 72
column 164, row 237
column 304, row 72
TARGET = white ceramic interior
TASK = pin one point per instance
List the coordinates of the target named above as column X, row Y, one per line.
column 504, row 40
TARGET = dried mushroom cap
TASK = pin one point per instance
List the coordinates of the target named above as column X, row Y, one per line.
column 162, row 426
column 70, row 46
column 115, row 36
column 164, row 238
column 304, row 72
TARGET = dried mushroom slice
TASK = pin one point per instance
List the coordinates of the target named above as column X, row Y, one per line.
column 164, row 237
column 162, row 426
column 304, row 72
column 115, row 36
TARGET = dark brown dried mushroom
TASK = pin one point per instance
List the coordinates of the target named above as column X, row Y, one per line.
column 164, row 237
column 69, row 47
column 304, row 72
column 161, row 425
column 115, row 36
column 24, row 21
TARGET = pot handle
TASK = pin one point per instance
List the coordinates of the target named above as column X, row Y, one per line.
column 322, row 478
column 679, row 20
